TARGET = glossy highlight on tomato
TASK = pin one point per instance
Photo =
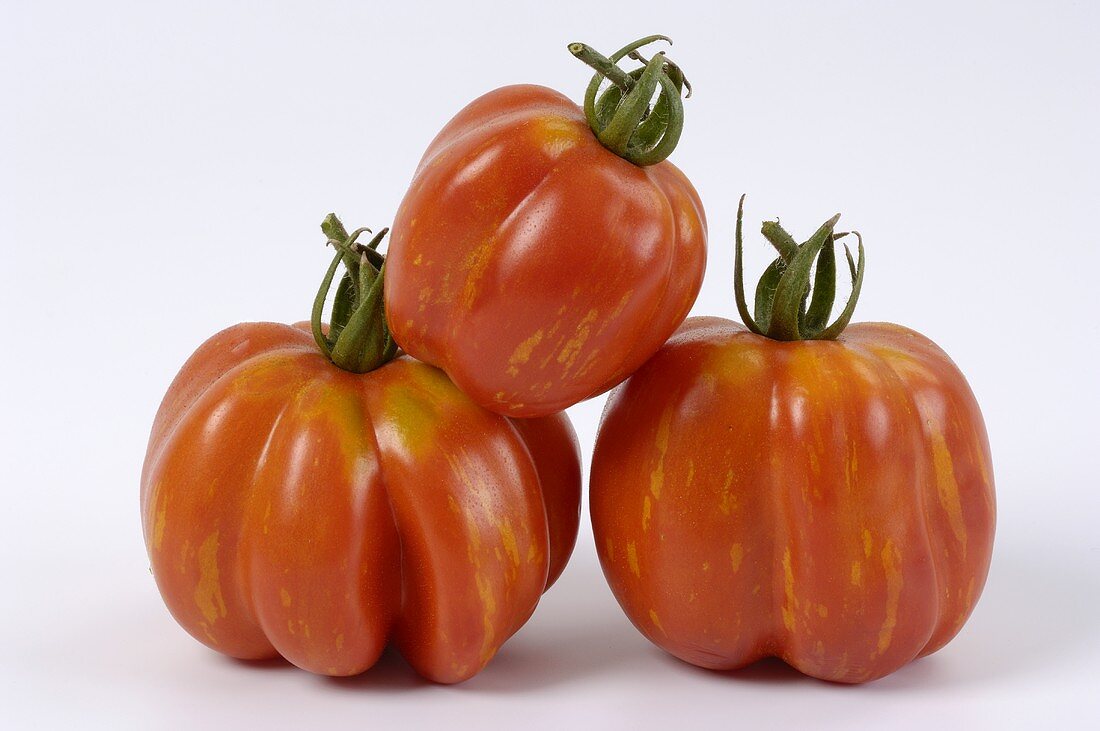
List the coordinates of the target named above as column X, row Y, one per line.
column 532, row 264
column 293, row 508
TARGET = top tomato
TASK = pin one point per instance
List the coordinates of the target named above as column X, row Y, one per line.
column 532, row 263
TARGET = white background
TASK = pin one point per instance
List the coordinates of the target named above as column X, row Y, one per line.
column 163, row 171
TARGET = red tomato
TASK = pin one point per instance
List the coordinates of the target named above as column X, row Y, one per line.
column 828, row 502
column 532, row 264
column 293, row 508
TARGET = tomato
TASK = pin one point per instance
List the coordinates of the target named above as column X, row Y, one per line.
column 826, row 501
column 294, row 508
column 534, row 265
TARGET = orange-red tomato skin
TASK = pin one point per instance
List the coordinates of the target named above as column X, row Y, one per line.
column 533, row 265
column 828, row 503
column 291, row 508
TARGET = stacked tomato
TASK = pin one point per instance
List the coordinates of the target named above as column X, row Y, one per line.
column 405, row 474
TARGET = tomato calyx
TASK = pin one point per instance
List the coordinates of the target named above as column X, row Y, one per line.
column 785, row 309
column 625, row 118
column 358, row 338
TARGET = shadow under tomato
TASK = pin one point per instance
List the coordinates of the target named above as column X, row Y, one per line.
column 270, row 665
column 1029, row 620
column 389, row 675
column 771, row 671
column 577, row 632
column 768, row 671
column 1037, row 613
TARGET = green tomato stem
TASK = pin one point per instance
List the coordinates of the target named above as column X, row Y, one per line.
column 785, row 309
column 358, row 338
column 624, row 118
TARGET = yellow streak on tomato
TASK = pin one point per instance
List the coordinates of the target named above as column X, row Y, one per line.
column 615, row 311
column 489, row 604
column 522, row 353
column 473, row 550
column 424, row 296
column 790, row 602
column 162, row 514
column 473, row 527
column 185, row 556
column 485, row 593
column 555, row 135
column 656, row 620
column 904, row 363
column 727, row 503
column 590, row 361
column 284, row 597
column 983, row 467
column 647, row 511
column 737, row 553
column 414, row 417
column 857, row 573
column 209, row 636
column 208, row 593
column 569, row 352
column 866, row 543
column 262, row 376
column 476, row 263
column 632, row 559
column 968, row 603
column 815, row 464
column 688, row 219
column 618, row 309
column 508, row 538
column 891, row 559
column 851, row 466
column 657, row 476
column 948, row 487
column 733, row 365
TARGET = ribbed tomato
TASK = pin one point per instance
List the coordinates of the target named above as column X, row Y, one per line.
column 828, row 502
column 532, row 263
column 294, row 508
